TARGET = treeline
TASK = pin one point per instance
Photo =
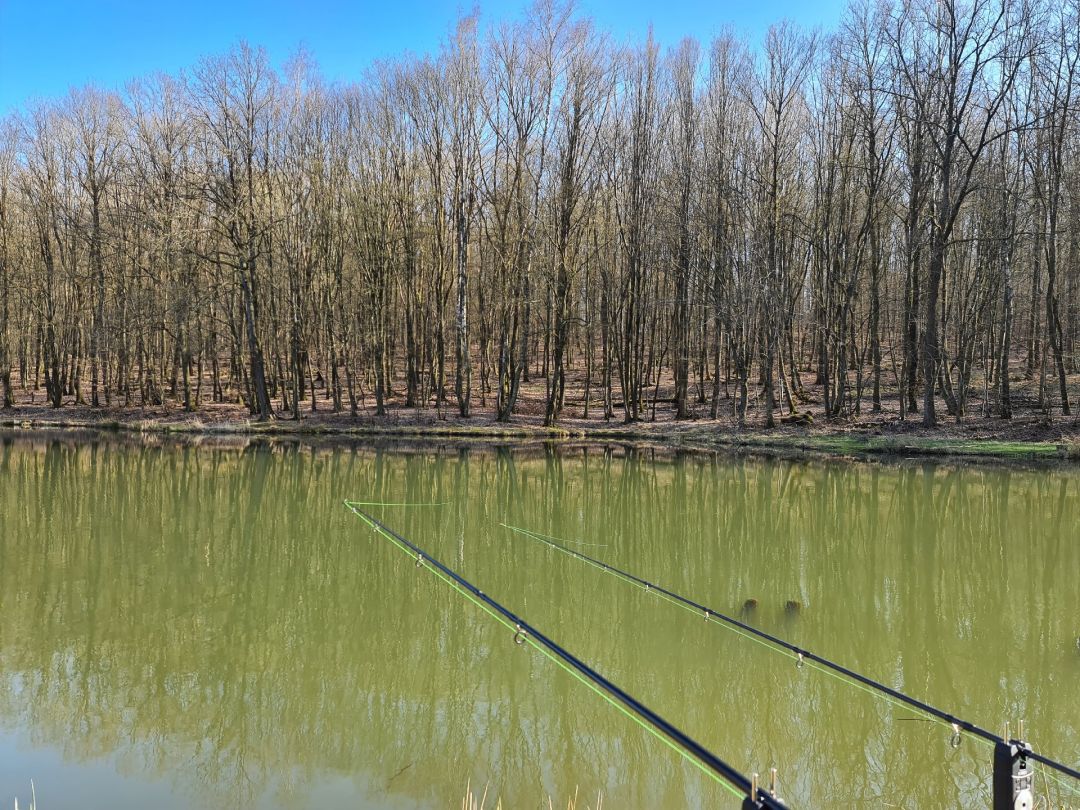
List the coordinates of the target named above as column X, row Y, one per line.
column 889, row 210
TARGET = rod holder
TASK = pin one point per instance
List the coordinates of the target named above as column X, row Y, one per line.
column 759, row 799
column 1014, row 778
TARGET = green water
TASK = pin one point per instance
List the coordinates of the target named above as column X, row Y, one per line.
column 210, row 627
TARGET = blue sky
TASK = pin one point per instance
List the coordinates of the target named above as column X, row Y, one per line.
column 48, row 45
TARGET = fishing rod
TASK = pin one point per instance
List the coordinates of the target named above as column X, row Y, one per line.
column 1011, row 753
column 739, row 785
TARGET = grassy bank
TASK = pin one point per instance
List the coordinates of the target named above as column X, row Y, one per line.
column 1030, row 441
column 848, row 444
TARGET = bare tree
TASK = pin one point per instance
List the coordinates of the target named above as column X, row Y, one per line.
column 233, row 97
column 959, row 62
column 778, row 108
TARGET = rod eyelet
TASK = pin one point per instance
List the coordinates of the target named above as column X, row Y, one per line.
column 954, row 740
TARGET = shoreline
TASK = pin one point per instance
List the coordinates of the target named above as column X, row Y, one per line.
column 1059, row 441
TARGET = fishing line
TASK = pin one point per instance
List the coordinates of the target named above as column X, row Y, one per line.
column 1069, row 786
column 405, row 503
column 718, row 770
column 800, row 656
column 564, row 540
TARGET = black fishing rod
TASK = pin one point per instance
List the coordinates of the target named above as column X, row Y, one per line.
column 754, row 796
column 1021, row 750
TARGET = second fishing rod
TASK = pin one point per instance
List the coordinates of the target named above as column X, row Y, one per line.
column 801, row 656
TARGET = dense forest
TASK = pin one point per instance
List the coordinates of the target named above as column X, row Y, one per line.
column 885, row 213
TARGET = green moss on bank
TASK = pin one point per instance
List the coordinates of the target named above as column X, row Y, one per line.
column 862, row 445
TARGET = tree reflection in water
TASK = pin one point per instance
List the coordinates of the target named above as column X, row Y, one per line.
column 212, row 615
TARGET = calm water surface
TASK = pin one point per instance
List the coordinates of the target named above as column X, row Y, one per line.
column 210, row 627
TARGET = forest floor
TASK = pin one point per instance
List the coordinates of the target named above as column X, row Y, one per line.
column 1029, row 435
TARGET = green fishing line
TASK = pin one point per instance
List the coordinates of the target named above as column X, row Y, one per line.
column 551, row 657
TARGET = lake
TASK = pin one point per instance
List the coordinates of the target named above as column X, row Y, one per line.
column 207, row 625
